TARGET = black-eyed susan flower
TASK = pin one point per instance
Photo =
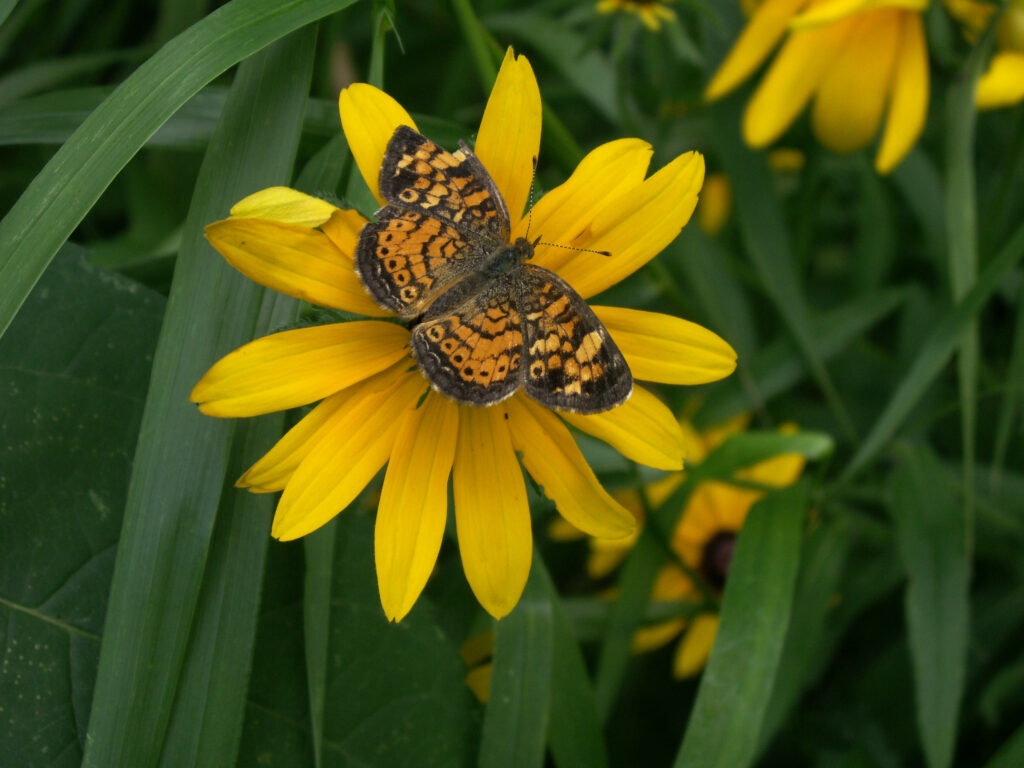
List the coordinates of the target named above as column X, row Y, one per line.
column 857, row 60
column 376, row 407
column 704, row 539
column 653, row 13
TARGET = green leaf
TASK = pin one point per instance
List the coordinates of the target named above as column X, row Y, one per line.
column 516, row 723
column 574, row 729
column 748, row 448
column 935, row 351
column 735, row 690
column 316, row 622
column 1011, row 754
column 931, row 533
column 775, row 368
column 395, row 694
column 918, row 181
column 52, row 118
column 78, row 356
column 64, row 191
column 44, row 75
column 627, row 611
column 181, row 462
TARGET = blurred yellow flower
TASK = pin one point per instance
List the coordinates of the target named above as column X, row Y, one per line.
column 376, row 407
column 857, row 59
column 651, row 12
column 715, row 203
column 1002, row 84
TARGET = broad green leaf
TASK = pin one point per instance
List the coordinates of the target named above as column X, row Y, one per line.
column 73, row 375
column 736, row 688
column 316, row 623
column 931, row 532
column 751, row 447
column 395, row 693
column 574, row 729
column 962, row 239
column 6, row 6
column 182, row 456
column 64, row 191
column 44, row 75
column 805, row 652
column 52, row 118
column 516, row 723
column 206, row 722
column 935, row 351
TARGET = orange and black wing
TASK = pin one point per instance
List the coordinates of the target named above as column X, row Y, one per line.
column 570, row 362
column 473, row 355
column 406, row 259
column 454, row 187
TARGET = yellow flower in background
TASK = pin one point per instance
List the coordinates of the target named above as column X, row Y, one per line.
column 651, row 12
column 704, row 539
column 1002, row 84
column 376, row 407
column 858, row 60
column 715, row 203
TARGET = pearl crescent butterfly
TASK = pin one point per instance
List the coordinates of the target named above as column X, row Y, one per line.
column 484, row 322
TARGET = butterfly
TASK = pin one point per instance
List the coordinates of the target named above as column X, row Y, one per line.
column 484, row 321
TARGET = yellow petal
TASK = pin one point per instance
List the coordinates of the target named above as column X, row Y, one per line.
column 607, row 554
column 834, row 10
column 715, row 203
column 273, row 471
column 908, row 106
column 566, row 212
column 286, row 205
column 509, row 138
column 790, row 82
column 293, row 259
column 552, row 458
column 297, row 367
column 695, row 647
column 369, row 117
column 636, row 227
column 492, row 516
column 414, row 503
column 667, row 349
column 1003, row 84
column 649, row 638
column 759, row 37
column 560, row 529
column 850, row 101
column 342, row 229
column 351, row 450
column 642, row 429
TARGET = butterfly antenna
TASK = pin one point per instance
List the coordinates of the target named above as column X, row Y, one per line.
column 574, row 248
column 529, row 202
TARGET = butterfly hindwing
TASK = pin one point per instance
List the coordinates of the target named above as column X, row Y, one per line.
column 570, row 362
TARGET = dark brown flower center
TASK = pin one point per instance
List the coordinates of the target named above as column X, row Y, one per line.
column 717, row 558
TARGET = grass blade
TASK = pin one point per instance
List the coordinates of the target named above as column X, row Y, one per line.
column 515, row 726
column 724, row 728
column 1011, row 754
column 169, row 515
column 935, row 352
column 574, row 730
column 932, row 534
column 761, row 221
column 64, row 191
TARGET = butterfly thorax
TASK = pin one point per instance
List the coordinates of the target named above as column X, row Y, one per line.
column 508, row 258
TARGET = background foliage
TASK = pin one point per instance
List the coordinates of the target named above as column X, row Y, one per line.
column 874, row 612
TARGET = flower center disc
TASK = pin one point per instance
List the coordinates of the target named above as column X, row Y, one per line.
column 717, row 558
